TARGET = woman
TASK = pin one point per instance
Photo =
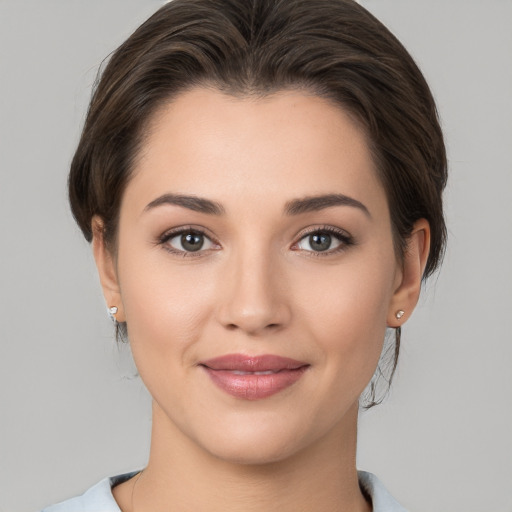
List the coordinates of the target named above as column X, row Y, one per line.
column 261, row 183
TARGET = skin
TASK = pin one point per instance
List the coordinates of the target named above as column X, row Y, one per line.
column 256, row 287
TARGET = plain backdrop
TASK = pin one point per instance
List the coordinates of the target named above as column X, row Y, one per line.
column 71, row 410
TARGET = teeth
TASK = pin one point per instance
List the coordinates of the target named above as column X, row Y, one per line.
column 267, row 372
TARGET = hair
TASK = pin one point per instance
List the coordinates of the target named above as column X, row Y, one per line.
column 334, row 49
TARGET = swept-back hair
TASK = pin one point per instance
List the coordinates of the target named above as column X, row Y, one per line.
column 331, row 48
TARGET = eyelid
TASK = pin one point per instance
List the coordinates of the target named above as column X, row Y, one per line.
column 179, row 230
column 345, row 238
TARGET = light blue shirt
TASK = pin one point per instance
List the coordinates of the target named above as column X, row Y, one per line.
column 100, row 499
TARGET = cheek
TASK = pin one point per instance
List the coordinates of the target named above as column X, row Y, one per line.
column 166, row 305
column 345, row 309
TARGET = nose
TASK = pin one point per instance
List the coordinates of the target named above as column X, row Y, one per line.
column 253, row 298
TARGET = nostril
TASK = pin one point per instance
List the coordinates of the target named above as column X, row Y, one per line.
column 234, row 327
column 253, row 317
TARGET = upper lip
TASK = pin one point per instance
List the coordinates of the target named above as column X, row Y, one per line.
column 245, row 363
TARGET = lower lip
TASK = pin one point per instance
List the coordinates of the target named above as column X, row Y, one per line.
column 254, row 387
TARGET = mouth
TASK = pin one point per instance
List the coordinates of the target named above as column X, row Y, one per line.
column 253, row 377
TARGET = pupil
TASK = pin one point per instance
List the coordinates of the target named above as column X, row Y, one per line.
column 192, row 241
column 320, row 242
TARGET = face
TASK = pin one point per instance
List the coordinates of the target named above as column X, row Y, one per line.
column 255, row 270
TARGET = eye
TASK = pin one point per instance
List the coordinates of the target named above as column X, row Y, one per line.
column 187, row 241
column 325, row 240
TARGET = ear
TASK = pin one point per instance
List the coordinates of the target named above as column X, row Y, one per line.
column 408, row 285
column 106, row 266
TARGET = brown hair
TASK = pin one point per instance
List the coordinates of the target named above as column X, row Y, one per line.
column 332, row 48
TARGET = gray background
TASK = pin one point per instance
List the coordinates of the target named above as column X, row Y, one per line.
column 71, row 411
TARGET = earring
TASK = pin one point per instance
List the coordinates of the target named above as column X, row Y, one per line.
column 399, row 314
column 111, row 312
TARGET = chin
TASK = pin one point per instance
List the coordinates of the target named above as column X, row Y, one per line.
column 258, row 442
column 252, row 453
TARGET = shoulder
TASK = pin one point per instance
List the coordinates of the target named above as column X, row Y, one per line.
column 98, row 498
column 382, row 501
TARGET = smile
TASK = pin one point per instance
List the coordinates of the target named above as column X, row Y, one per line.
column 253, row 378
column 268, row 372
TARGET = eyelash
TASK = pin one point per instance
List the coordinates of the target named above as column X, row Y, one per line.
column 345, row 239
column 169, row 235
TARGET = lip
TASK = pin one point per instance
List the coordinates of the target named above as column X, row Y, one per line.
column 253, row 377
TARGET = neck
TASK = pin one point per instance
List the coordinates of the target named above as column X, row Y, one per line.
column 320, row 478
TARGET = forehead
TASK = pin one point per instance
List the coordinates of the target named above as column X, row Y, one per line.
column 281, row 146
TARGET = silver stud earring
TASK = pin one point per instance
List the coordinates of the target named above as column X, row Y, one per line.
column 111, row 312
column 399, row 314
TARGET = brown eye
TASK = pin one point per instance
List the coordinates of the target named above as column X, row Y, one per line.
column 190, row 241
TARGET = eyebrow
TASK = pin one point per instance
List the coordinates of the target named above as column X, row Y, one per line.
column 294, row 207
column 197, row 204
column 316, row 203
